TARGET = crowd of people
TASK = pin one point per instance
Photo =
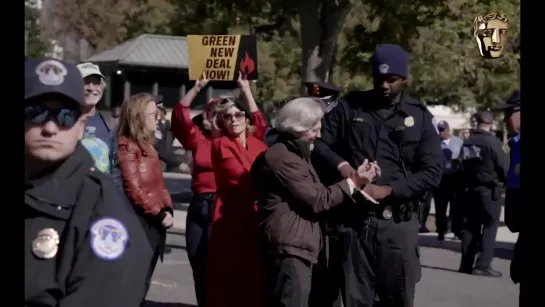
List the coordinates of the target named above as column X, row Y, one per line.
column 325, row 205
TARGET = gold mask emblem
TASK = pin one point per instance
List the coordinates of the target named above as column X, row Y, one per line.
column 46, row 244
column 490, row 31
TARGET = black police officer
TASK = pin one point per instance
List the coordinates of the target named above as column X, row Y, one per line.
column 325, row 92
column 386, row 125
column 485, row 167
column 515, row 218
column 83, row 241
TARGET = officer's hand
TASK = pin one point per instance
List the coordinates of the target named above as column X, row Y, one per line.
column 377, row 192
column 168, row 221
column 366, row 173
column 346, row 170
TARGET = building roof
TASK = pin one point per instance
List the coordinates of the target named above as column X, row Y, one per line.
column 148, row 50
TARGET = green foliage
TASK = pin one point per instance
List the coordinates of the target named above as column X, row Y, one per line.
column 445, row 63
column 36, row 45
column 106, row 23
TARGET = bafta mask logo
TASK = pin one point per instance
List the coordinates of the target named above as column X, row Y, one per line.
column 490, row 31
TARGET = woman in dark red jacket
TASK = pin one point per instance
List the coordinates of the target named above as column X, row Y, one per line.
column 235, row 275
column 141, row 171
column 203, row 182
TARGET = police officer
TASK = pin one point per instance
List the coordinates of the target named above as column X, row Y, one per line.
column 83, row 241
column 514, row 213
column 325, row 92
column 485, row 174
column 386, row 125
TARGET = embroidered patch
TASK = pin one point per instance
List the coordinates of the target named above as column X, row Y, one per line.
column 51, row 72
column 384, row 68
column 108, row 238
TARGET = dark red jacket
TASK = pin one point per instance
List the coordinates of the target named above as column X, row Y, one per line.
column 143, row 178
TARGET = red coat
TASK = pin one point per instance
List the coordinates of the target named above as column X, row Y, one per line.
column 199, row 143
column 235, row 276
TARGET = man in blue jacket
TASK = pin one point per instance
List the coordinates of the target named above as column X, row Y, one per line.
column 99, row 138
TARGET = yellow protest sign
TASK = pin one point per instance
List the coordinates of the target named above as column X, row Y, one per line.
column 222, row 57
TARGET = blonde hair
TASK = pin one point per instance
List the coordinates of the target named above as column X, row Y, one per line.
column 208, row 123
column 132, row 121
column 222, row 108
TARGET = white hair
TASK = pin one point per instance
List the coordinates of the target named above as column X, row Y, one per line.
column 299, row 115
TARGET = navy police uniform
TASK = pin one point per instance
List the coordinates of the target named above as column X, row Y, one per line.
column 515, row 218
column 485, row 167
column 379, row 243
column 83, row 240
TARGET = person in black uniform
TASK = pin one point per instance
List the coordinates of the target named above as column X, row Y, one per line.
column 515, row 218
column 485, row 167
column 325, row 92
column 386, row 125
column 83, row 241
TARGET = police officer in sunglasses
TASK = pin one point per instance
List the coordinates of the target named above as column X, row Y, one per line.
column 82, row 238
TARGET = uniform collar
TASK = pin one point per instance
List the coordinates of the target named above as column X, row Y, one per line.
column 62, row 186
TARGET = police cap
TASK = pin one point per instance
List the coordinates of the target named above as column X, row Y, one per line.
column 51, row 76
column 484, row 117
column 321, row 89
column 512, row 104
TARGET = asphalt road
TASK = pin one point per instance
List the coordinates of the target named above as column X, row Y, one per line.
column 441, row 285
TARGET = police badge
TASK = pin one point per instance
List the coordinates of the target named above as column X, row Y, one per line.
column 46, row 244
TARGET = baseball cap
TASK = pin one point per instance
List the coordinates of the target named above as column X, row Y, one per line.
column 88, row 69
column 51, row 76
column 442, row 125
column 484, row 117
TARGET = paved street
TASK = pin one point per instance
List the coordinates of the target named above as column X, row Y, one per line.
column 441, row 285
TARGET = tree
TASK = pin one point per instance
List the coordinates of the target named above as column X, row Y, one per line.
column 36, row 45
column 106, row 23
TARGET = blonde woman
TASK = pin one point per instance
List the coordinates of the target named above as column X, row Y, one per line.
column 141, row 171
column 234, row 266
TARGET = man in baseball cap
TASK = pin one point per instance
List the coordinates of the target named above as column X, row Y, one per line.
column 99, row 138
column 71, row 210
column 53, row 110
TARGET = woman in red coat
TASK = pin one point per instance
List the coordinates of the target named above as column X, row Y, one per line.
column 203, row 183
column 235, row 276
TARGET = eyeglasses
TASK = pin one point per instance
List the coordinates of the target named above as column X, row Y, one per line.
column 38, row 114
column 153, row 114
column 235, row 115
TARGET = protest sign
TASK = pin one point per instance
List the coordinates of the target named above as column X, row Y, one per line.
column 222, row 57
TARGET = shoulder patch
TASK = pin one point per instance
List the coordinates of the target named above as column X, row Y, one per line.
column 109, row 238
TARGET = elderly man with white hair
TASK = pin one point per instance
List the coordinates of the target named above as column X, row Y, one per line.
column 291, row 199
column 99, row 138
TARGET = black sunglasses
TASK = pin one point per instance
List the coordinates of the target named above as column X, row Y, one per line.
column 38, row 114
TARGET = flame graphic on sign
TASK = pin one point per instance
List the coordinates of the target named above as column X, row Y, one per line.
column 247, row 65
